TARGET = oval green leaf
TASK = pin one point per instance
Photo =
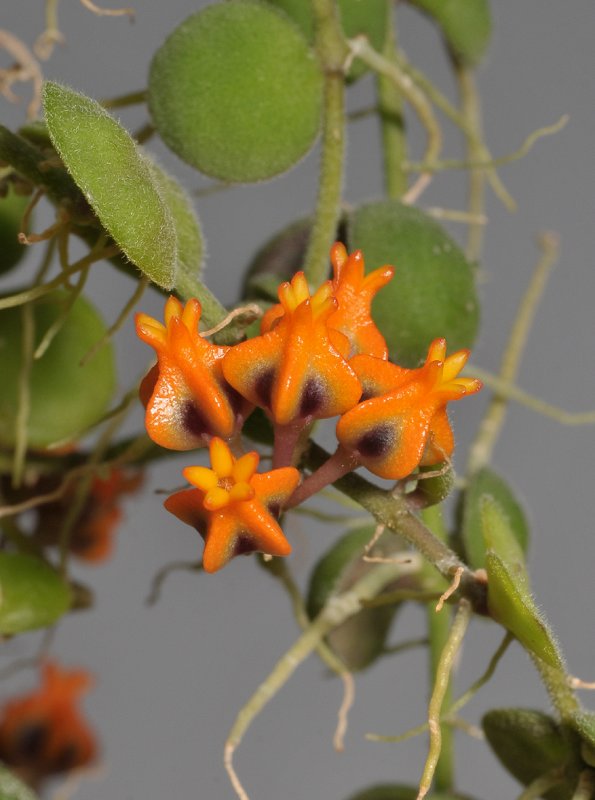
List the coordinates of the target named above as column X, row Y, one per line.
column 32, row 594
column 12, row 788
column 511, row 604
column 529, row 744
column 117, row 182
column 12, row 208
column 488, row 482
column 360, row 640
column 358, row 18
column 189, row 240
column 466, row 26
column 65, row 397
column 237, row 92
column 433, row 292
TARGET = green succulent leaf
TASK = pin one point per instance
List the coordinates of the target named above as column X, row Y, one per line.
column 466, row 26
column 236, row 91
column 116, row 180
column 359, row 641
column 65, row 397
column 583, row 723
column 11, row 788
column 488, row 482
column 33, row 595
column 189, row 240
column 12, row 208
column 511, row 604
column 529, row 744
column 433, row 291
column 358, row 17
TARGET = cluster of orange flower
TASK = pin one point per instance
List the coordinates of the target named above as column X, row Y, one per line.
column 43, row 733
column 317, row 356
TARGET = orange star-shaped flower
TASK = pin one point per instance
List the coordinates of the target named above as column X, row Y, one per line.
column 296, row 370
column 233, row 506
column 187, row 398
column 402, row 423
column 355, row 291
column 43, row 732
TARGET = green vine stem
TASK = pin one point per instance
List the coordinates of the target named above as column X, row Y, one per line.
column 471, row 111
column 337, row 610
column 442, row 102
column 438, row 633
column 24, row 394
column 332, row 52
column 392, row 510
column 512, row 392
column 361, row 48
column 392, row 123
column 444, row 667
column 491, row 425
column 541, row 785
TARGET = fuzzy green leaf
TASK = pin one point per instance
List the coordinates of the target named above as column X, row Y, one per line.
column 488, row 482
column 529, row 744
column 189, row 240
column 65, row 396
column 33, row 595
column 236, row 91
column 433, row 291
column 117, row 182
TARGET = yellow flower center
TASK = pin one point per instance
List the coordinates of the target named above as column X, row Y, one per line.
column 228, row 480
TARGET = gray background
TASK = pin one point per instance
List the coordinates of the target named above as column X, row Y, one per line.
column 172, row 677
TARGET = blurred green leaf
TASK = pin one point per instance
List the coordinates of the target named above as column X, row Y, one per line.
column 236, row 91
column 32, row 594
column 433, row 291
column 65, row 397
column 359, row 641
column 488, row 482
column 12, row 208
column 116, row 180
column 366, row 18
column 529, row 744
column 466, row 26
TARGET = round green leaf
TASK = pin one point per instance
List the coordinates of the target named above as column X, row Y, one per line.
column 529, row 744
column 360, row 640
column 117, row 182
column 65, row 397
column 367, row 18
column 466, row 26
column 433, row 292
column 487, row 482
column 33, row 595
column 236, row 91
column 12, row 208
